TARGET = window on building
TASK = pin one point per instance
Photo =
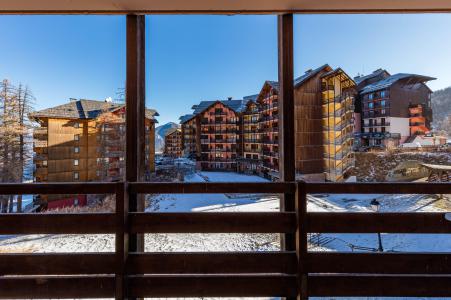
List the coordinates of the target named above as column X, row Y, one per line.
column 44, row 163
column 383, row 94
column 76, row 125
column 371, row 96
column 383, row 103
column 76, row 162
column 371, row 105
column 76, row 176
column 76, row 137
column 76, row 149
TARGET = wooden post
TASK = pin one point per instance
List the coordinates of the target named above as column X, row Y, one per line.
column 286, row 116
column 135, row 117
column 122, row 240
column 301, row 239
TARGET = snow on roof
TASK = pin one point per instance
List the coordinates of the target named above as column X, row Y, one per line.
column 235, row 105
column 389, row 81
column 84, row 109
column 359, row 79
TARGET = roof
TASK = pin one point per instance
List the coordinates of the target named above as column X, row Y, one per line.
column 171, row 131
column 437, row 167
column 236, row 105
column 186, row 118
column 389, row 81
column 378, row 72
column 301, row 79
column 83, row 109
column 309, row 74
column 251, row 97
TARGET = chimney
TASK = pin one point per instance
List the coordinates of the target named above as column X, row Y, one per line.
column 229, row 98
column 72, row 99
column 308, row 71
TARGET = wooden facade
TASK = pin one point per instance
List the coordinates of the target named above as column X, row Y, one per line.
column 219, row 137
column 84, row 140
column 246, row 138
column 173, row 143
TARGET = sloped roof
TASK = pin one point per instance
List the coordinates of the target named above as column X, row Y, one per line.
column 389, row 81
column 171, row 131
column 186, row 118
column 309, row 74
column 301, row 79
column 251, row 97
column 235, row 105
column 83, row 109
column 359, row 79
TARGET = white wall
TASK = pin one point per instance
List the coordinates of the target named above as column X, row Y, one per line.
column 400, row 125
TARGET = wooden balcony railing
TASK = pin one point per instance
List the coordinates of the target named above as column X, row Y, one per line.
column 300, row 273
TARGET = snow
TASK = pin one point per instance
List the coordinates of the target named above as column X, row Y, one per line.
column 254, row 242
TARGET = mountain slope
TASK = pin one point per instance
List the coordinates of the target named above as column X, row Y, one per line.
column 441, row 108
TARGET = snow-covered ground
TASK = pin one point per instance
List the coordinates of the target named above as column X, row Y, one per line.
column 245, row 242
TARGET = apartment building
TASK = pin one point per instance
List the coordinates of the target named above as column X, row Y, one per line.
column 83, row 140
column 173, row 143
column 322, row 119
column 251, row 160
column 220, row 139
column 338, row 90
column 190, row 127
column 384, row 105
column 324, row 125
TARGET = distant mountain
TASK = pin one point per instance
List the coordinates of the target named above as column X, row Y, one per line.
column 441, row 109
column 160, row 132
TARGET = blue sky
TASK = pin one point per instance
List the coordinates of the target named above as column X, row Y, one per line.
column 193, row 58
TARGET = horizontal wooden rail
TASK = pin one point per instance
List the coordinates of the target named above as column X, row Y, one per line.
column 51, row 287
column 58, row 188
column 319, row 222
column 218, row 222
column 378, row 188
column 87, row 223
column 212, row 262
column 57, row 263
column 380, row 263
column 361, row 285
column 212, row 188
column 212, row 285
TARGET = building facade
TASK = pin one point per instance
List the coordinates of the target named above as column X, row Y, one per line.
column 173, row 143
column 83, row 140
column 384, row 105
column 190, row 127
column 324, row 119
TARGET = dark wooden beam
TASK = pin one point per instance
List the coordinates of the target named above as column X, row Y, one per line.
column 286, row 117
column 379, row 263
column 212, row 262
column 213, row 285
column 412, row 222
column 56, row 287
column 135, row 115
column 221, row 7
column 360, row 285
column 212, row 187
column 204, row 222
column 80, row 223
column 122, row 240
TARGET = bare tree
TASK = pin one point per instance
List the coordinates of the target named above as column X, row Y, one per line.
column 15, row 104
